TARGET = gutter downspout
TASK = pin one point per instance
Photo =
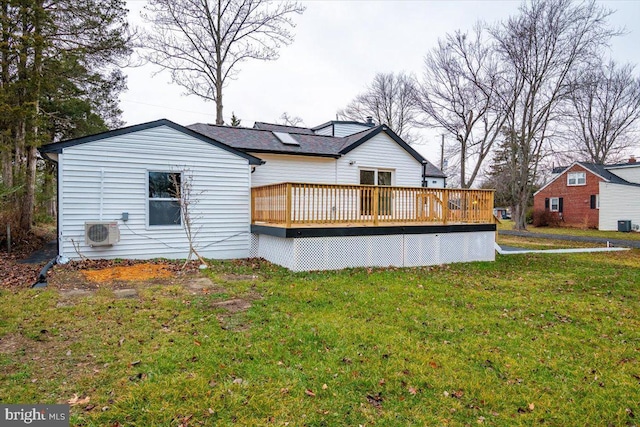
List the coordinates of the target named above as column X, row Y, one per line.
column 41, row 280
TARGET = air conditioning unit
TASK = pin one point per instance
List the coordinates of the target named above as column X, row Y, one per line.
column 635, row 227
column 101, row 233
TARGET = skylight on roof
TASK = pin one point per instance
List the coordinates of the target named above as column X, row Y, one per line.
column 285, row 138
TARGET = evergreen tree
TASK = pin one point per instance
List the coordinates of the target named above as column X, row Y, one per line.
column 57, row 79
column 235, row 122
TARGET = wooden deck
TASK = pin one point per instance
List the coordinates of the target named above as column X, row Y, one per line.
column 301, row 205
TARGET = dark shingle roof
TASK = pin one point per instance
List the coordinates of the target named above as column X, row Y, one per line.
column 264, row 141
column 598, row 169
column 628, row 164
column 57, row 147
column 603, row 172
column 282, row 128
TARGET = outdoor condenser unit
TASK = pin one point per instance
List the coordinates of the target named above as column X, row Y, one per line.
column 101, row 233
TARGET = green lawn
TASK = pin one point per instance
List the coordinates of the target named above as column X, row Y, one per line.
column 508, row 225
column 526, row 340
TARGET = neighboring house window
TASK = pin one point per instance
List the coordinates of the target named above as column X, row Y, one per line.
column 164, row 198
column 554, row 204
column 595, row 201
column 576, row 178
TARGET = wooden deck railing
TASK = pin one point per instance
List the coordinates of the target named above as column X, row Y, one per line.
column 290, row 204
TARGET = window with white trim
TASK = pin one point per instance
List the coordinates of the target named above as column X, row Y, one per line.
column 554, row 204
column 576, row 178
column 378, row 177
column 164, row 198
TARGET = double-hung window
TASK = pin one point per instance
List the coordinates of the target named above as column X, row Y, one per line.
column 164, row 198
column 576, row 178
column 554, row 204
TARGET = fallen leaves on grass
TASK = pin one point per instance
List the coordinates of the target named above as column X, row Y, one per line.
column 309, row 393
column 16, row 275
column 375, row 400
column 76, row 400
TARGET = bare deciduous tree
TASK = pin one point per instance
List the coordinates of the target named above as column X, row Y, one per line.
column 182, row 190
column 605, row 105
column 389, row 99
column 202, row 42
column 539, row 49
column 459, row 94
column 289, row 120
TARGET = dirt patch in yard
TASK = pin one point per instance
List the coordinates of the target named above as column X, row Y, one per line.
column 136, row 272
column 233, row 305
column 238, row 277
column 12, row 343
column 46, row 357
column 120, row 274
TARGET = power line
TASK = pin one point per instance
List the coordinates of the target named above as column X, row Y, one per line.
column 165, row 107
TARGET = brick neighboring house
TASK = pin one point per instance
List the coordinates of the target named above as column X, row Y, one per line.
column 574, row 193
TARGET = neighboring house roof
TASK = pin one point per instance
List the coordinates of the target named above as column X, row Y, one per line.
column 264, row 141
column 57, row 147
column 599, row 170
column 282, row 128
column 603, row 172
column 629, row 164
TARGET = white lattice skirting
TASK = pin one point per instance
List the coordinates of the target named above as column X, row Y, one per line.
column 395, row 250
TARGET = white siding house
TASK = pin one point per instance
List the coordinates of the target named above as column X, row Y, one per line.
column 283, row 168
column 128, row 179
column 618, row 202
column 340, row 129
column 322, row 159
column 628, row 171
column 106, row 178
column 380, row 153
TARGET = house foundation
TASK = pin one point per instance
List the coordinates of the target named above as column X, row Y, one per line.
column 310, row 249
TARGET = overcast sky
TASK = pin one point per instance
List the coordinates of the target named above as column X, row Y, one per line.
column 339, row 47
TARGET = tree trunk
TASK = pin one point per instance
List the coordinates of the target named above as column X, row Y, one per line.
column 520, row 216
column 49, row 189
column 219, row 118
column 463, row 163
column 7, row 167
column 28, row 201
column 33, row 76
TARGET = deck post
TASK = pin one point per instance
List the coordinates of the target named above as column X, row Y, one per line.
column 376, row 204
column 253, row 206
column 288, row 207
column 445, row 206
